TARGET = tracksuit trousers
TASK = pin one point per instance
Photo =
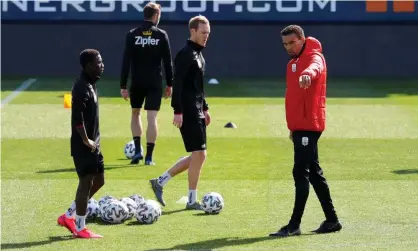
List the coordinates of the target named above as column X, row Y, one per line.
column 307, row 170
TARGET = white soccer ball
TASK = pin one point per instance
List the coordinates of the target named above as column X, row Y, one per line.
column 148, row 212
column 138, row 199
column 130, row 150
column 106, row 198
column 131, row 205
column 212, row 203
column 93, row 209
column 115, row 212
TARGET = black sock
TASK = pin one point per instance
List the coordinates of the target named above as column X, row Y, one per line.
column 137, row 142
column 150, row 149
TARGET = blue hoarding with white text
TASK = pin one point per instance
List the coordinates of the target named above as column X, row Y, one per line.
column 217, row 10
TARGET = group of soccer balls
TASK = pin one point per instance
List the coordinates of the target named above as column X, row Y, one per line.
column 114, row 211
column 212, row 203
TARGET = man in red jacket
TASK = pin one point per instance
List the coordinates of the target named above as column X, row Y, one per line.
column 306, row 78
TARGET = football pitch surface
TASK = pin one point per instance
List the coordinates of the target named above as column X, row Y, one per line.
column 369, row 154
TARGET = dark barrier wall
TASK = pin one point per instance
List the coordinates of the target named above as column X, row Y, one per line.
column 233, row 50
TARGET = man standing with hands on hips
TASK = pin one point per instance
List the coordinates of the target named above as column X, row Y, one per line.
column 306, row 78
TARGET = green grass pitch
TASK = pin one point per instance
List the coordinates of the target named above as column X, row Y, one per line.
column 369, row 153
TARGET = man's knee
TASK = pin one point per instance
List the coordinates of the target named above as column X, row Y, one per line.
column 136, row 112
column 201, row 155
column 99, row 180
column 152, row 117
column 300, row 171
column 86, row 180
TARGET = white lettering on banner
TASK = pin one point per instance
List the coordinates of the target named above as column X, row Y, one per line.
column 201, row 8
column 297, row 8
column 216, row 4
column 22, row 5
column 146, row 41
column 253, row 9
column 109, row 8
column 39, row 8
column 135, row 4
column 170, row 6
column 74, row 3
column 322, row 4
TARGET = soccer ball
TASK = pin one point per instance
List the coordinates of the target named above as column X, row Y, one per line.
column 148, row 212
column 92, row 208
column 131, row 205
column 138, row 199
column 115, row 212
column 130, row 150
column 212, row 203
column 106, row 198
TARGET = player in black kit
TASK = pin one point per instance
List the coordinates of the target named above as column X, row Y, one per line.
column 85, row 143
column 190, row 111
column 146, row 46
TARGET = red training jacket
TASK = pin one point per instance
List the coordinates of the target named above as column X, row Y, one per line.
column 305, row 108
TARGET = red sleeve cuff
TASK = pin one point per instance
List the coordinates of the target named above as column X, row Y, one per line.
column 178, row 113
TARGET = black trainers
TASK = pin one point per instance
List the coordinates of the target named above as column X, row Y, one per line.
column 135, row 159
column 286, row 231
column 158, row 191
column 194, row 206
column 328, row 227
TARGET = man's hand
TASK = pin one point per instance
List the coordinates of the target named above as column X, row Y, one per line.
column 91, row 144
column 291, row 136
column 207, row 117
column 304, row 81
column 168, row 91
column 124, row 93
column 178, row 120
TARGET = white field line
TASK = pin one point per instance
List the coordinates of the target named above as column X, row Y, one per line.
column 25, row 85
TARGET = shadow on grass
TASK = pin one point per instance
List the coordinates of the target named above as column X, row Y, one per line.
column 406, row 171
column 174, row 211
column 221, row 243
column 247, row 87
column 70, row 170
column 22, row 245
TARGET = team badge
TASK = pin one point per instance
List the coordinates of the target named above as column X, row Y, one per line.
column 305, row 141
column 293, row 67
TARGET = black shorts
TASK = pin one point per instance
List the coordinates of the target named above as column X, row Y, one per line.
column 193, row 132
column 151, row 96
column 89, row 164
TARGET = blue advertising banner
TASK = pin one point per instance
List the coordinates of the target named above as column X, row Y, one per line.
column 216, row 10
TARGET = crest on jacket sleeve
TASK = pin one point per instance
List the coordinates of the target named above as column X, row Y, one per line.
column 305, row 141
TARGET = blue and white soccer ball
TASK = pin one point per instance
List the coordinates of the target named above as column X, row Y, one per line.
column 138, row 199
column 130, row 150
column 212, row 203
column 131, row 205
column 114, row 212
column 106, row 199
column 148, row 212
column 93, row 209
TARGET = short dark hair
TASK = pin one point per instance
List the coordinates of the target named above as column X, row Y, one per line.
column 195, row 21
column 293, row 29
column 151, row 9
column 87, row 56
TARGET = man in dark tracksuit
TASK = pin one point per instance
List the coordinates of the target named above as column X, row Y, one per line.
column 85, row 143
column 306, row 78
column 190, row 111
column 146, row 46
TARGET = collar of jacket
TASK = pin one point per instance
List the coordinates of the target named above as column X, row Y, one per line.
column 91, row 80
column 148, row 23
column 301, row 51
column 194, row 45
